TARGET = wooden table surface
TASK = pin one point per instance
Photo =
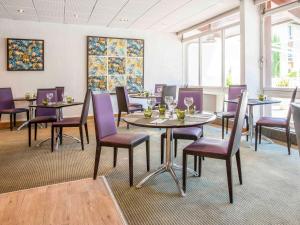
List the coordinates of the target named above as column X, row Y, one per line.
column 82, row 202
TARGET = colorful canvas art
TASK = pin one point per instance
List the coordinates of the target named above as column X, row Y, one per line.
column 25, row 55
column 115, row 62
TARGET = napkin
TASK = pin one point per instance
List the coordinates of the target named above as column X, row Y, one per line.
column 159, row 121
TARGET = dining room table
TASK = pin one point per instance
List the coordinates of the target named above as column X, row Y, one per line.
column 169, row 123
column 251, row 104
column 58, row 106
column 143, row 96
column 30, row 100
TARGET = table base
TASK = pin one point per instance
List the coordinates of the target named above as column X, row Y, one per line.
column 57, row 140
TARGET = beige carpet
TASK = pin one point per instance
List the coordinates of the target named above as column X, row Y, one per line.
column 269, row 195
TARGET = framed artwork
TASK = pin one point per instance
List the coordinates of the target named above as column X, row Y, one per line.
column 25, row 54
column 115, row 62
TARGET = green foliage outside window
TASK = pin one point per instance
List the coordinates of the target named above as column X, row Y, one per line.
column 229, row 78
column 276, row 57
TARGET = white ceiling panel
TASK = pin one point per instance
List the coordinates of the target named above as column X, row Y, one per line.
column 49, row 8
column 17, row 3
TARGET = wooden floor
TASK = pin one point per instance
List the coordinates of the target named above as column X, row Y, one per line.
column 82, row 202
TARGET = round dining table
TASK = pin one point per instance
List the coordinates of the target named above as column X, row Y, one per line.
column 168, row 123
column 142, row 96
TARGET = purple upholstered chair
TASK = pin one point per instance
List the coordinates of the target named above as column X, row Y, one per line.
column 7, row 106
column 106, row 134
column 219, row 148
column 234, row 92
column 158, row 91
column 42, row 115
column 60, row 93
column 189, row 133
column 74, row 122
column 123, row 103
column 276, row 122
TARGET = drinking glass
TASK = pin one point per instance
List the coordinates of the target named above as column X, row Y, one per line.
column 169, row 100
column 151, row 102
column 49, row 96
column 188, row 101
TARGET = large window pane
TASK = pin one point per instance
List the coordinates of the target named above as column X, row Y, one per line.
column 211, row 60
column 193, row 64
column 232, row 56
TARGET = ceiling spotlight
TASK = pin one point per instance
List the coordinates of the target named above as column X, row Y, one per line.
column 124, row 20
column 20, row 10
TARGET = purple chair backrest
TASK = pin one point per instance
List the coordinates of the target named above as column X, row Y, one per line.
column 103, row 116
column 85, row 107
column 41, row 95
column 122, row 98
column 196, row 93
column 60, row 93
column 234, row 92
column 6, row 99
column 158, row 90
column 290, row 109
column 236, row 134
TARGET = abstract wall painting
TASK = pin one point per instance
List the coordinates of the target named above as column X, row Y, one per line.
column 25, row 54
column 115, row 62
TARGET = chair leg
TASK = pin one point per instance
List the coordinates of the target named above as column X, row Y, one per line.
column 227, row 121
column 130, row 151
column 256, row 136
column 119, row 118
column 52, row 138
column 229, row 179
column 81, row 137
column 259, row 135
column 247, row 127
column 35, row 131
column 162, row 149
column 223, row 127
column 0, row 116
column 175, row 147
column 15, row 119
column 148, row 154
column 115, row 156
column 184, row 169
column 288, row 140
column 127, row 126
column 87, row 133
column 11, row 121
column 97, row 160
column 27, row 115
column 61, row 135
column 238, row 163
column 195, row 162
column 29, row 134
column 200, row 166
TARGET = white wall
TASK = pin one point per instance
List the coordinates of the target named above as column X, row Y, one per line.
column 65, row 57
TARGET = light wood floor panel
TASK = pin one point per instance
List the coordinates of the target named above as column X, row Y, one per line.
column 82, row 202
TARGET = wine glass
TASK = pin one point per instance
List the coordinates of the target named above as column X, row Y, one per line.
column 188, row 101
column 151, row 102
column 49, row 96
column 169, row 100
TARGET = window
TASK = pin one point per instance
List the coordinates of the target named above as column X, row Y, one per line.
column 232, row 56
column 193, row 64
column 211, row 59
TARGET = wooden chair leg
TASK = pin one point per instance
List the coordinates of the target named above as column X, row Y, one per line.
column 81, row 137
column 162, row 149
column 200, row 166
column 238, row 163
column 35, row 131
column 259, row 135
column 115, row 156
column 97, row 160
column 119, row 118
column 148, row 154
column 195, row 162
column 184, row 169
column 247, row 127
column 87, row 133
column 130, row 151
column 15, row 119
column 11, row 121
column 29, row 134
column 288, row 140
column 61, row 135
column 223, row 127
column 256, row 136
column 229, row 179
column 227, row 121
column 52, row 138
column 0, row 116
column 175, row 147
column 27, row 115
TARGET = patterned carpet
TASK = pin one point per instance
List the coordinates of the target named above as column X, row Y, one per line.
column 269, row 194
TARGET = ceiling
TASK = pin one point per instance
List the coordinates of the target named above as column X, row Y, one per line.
column 161, row 15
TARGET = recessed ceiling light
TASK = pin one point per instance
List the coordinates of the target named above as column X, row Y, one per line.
column 123, row 19
column 76, row 16
column 20, row 10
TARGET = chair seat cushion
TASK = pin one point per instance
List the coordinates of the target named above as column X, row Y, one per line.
column 68, row 122
column 227, row 114
column 188, row 133
column 208, row 146
column 272, row 122
column 16, row 110
column 135, row 107
column 128, row 139
column 43, row 119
